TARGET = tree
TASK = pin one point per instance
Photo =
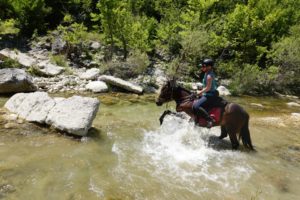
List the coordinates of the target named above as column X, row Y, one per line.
column 30, row 15
column 286, row 54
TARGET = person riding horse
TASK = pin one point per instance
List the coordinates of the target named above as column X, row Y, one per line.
column 208, row 95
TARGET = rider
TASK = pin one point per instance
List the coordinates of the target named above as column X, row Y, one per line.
column 208, row 93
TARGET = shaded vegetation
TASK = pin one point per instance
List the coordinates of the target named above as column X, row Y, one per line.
column 255, row 42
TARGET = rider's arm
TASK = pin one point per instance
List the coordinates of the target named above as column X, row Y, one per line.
column 208, row 85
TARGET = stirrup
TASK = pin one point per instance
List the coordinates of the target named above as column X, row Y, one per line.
column 209, row 124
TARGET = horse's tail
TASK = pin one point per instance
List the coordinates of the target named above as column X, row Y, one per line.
column 245, row 134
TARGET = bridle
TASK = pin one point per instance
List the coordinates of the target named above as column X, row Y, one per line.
column 179, row 101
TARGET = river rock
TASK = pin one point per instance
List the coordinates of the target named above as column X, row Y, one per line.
column 293, row 104
column 257, row 105
column 122, row 84
column 97, row 86
column 90, row 74
column 33, row 107
column 73, row 115
column 22, row 58
column 48, row 69
column 223, row 91
column 15, row 80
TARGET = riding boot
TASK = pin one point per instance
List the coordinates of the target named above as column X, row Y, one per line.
column 201, row 112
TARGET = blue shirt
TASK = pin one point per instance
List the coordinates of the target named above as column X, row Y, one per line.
column 214, row 85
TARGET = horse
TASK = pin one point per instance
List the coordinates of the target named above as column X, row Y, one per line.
column 232, row 118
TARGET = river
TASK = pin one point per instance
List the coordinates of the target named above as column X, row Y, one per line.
column 128, row 155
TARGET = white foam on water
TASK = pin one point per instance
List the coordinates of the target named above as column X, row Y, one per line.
column 96, row 189
column 180, row 156
column 180, row 152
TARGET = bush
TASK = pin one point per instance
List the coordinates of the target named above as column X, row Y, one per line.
column 139, row 62
column 254, row 81
column 286, row 54
column 135, row 65
column 59, row 60
column 195, row 46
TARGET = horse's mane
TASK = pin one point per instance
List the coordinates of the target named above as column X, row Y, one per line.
column 184, row 89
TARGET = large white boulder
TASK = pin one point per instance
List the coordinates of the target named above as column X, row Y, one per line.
column 73, row 115
column 121, row 83
column 15, row 80
column 33, row 107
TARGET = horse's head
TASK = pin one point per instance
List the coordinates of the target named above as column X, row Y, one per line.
column 166, row 92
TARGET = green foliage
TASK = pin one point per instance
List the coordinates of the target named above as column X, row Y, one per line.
column 254, row 34
column 254, row 81
column 170, row 26
column 122, row 28
column 139, row 62
column 34, row 71
column 59, row 60
column 195, row 46
column 9, row 63
column 286, row 55
column 8, row 27
column 30, row 14
column 74, row 34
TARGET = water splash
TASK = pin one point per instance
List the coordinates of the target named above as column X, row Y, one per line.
column 181, row 152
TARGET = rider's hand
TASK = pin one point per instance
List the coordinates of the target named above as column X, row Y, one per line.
column 193, row 96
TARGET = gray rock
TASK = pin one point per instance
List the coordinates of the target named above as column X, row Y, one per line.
column 223, row 91
column 74, row 115
column 15, row 80
column 90, row 74
column 293, row 104
column 121, row 83
column 48, row 69
column 257, row 105
column 59, row 45
column 97, row 86
column 22, row 58
column 33, row 107
column 95, row 45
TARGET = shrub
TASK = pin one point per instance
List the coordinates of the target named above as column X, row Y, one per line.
column 254, row 81
column 286, row 54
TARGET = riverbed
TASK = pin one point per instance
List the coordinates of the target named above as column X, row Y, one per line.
column 128, row 155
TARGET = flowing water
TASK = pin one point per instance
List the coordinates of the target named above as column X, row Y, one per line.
column 128, row 155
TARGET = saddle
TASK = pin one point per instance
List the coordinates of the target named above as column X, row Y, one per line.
column 215, row 110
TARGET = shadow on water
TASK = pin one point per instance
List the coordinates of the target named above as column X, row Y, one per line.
column 215, row 143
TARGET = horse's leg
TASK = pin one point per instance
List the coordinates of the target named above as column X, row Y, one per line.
column 232, row 131
column 167, row 112
column 223, row 132
column 245, row 135
column 234, row 142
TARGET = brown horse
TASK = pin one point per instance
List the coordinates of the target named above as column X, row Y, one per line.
column 234, row 119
